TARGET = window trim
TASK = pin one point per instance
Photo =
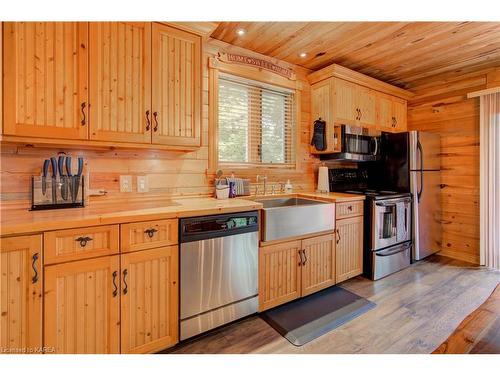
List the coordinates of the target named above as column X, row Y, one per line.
column 253, row 74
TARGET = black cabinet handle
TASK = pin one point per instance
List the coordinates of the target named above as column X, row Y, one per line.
column 125, row 273
column 34, row 279
column 82, row 108
column 360, row 114
column 155, row 117
column 115, row 291
column 300, row 255
column 305, row 258
column 83, row 240
column 338, row 236
column 148, row 123
column 151, row 232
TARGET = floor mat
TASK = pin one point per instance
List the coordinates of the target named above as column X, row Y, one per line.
column 305, row 319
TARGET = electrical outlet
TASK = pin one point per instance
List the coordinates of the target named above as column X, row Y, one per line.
column 125, row 184
column 142, row 184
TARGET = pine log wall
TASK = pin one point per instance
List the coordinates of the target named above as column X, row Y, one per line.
column 441, row 106
column 170, row 174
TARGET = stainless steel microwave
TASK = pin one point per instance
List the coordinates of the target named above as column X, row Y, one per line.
column 354, row 143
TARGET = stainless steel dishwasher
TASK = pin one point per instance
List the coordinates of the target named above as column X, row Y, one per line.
column 218, row 270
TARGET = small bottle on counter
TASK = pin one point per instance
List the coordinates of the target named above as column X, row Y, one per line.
column 288, row 187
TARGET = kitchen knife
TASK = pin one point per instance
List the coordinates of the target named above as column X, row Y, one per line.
column 53, row 163
column 45, row 170
column 77, row 178
column 70, row 175
column 62, row 177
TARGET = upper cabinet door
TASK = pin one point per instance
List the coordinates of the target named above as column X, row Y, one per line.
column 384, row 112
column 400, row 113
column 345, row 102
column 176, row 86
column 120, row 72
column 366, row 105
column 21, row 294
column 45, row 76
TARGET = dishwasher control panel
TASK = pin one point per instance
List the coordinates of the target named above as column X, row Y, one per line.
column 204, row 227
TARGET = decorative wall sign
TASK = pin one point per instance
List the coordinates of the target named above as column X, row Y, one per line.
column 256, row 62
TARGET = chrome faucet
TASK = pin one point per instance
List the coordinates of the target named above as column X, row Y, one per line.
column 263, row 178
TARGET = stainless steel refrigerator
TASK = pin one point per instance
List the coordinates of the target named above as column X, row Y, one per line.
column 411, row 163
column 425, row 186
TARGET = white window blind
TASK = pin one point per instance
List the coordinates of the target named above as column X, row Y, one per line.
column 256, row 123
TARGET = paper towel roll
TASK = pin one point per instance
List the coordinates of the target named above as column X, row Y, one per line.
column 323, row 185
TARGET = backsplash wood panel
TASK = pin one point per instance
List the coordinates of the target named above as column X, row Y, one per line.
column 170, row 173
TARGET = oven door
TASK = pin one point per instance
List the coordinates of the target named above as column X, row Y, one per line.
column 385, row 219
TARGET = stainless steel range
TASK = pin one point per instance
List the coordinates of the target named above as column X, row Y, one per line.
column 388, row 233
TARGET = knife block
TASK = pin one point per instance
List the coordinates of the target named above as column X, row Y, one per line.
column 61, row 192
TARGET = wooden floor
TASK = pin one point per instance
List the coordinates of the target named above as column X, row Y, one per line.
column 479, row 333
column 417, row 309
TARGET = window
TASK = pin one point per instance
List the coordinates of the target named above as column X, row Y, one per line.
column 256, row 123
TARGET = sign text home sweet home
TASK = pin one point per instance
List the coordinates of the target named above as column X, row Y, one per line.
column 259, row 63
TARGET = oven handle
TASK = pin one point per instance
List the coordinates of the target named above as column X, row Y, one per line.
column 385, row 204
column 400, row 250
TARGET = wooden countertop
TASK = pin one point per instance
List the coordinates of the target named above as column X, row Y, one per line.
column 21, row 221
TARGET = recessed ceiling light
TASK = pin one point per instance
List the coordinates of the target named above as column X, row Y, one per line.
column 302, row 54
column 240, row 32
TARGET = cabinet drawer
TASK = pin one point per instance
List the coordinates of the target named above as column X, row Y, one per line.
column 148, row 234
column 81, row 243
column 348, row 209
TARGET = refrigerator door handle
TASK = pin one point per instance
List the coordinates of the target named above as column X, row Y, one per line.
column 419, row 192
column 420, row 154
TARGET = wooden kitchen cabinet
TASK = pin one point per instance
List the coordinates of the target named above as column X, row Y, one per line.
column 279, row 274
column 345, row 102
column 46, row 76
column 176, row 92
column 349, row 248
column 294, row 269
column 318, row 267
column 149, row 234
column 81, row 243
column 21, row 294
column 391, row 113
column 399, row 110
column 82, row 306
column 120, row 72
column 149, row 300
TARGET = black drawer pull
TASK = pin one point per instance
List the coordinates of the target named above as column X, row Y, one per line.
column 125, row 273
column 115, row 291
column 34, row 279
column 83, row 240
column 151, row 232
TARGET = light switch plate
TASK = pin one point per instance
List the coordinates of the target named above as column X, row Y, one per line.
column 126, row 184
column 142, row 184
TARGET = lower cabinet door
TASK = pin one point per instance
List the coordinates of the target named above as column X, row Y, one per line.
column 82, row 306
column 349, row 248
column 21, row 294
column 279, row 274
column 149, row 300
column 318, row 265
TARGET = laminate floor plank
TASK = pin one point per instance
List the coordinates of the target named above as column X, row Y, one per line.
column 416, row 310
